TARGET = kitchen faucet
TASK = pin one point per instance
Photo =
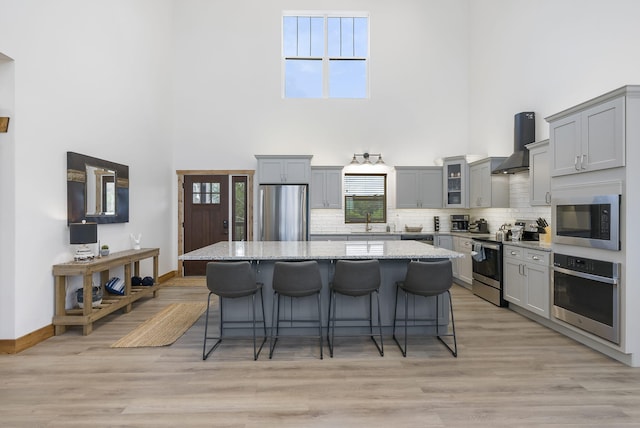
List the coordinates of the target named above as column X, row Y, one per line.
column 368, row 227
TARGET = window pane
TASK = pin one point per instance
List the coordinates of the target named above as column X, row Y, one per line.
column 317, row 37
column 346, row 44
column 196, row 198
column 347, row 79
column 358, row 207
column 365, row 194
column 347, row 37
column 290, row 36
column 361, row 37
column 196, row 187
column 215, row 198
column 333, row 37
column 303, row 36
column 303, row 79
column 215, row 187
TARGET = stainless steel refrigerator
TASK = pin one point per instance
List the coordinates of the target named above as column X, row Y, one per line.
column 283, row 212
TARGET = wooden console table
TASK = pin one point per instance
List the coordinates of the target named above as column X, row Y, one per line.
column 110, row 302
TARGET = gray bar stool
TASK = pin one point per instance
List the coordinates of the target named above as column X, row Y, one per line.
column 232, row 280
column 355, row 278
column 294, row 280
column 426, row 279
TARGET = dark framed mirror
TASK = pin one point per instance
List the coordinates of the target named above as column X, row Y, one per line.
column 97, row 190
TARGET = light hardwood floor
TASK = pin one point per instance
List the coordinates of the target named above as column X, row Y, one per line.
column 510, row 372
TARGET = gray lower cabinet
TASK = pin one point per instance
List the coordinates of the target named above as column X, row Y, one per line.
column 527, row 279
column 443, row 241
column 374, row 237
column 326, row 187
column 464, row 271
column 356, row 237
column 418, row 187
column 446, row 241
column 321, row 237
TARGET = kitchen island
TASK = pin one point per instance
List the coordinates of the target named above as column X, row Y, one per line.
column 393, row 256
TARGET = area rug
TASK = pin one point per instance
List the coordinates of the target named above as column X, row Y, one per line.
column 163, row 328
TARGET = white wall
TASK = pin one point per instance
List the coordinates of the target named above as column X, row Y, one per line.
column 228, row 86
column 7, row 200
column 545, row 56
column 90, row 77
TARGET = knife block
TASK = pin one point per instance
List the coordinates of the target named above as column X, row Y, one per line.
column 545, row 238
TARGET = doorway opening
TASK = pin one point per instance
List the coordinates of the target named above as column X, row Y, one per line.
column 213, row 206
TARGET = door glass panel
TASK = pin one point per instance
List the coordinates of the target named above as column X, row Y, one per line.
column 206, row 193
column 239, row 209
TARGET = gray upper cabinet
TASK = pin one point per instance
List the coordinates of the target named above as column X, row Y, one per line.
column 590, row 136
column 284, row 169
column 539, row 176
column 455, row 183
column 326, row 187
column 418, row 187
column 487, row 190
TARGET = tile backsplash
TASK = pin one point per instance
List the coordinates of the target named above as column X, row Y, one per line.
column 332, row 221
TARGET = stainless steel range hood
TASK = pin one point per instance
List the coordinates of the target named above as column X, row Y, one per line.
column 524, row 131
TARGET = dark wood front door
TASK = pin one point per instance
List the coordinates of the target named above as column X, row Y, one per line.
column 206, row 215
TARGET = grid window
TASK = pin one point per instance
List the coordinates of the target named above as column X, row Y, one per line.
column 206, row 193
column 325, row 56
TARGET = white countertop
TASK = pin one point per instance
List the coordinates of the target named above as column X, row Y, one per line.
column 319, row 250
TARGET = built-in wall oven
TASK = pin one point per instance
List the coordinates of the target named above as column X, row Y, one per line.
column 586, row 295
column 592, row 221
column 487, row 271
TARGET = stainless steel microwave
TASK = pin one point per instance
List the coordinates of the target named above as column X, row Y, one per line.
column 592, row 221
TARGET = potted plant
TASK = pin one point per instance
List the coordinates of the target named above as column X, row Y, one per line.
column 104, row 250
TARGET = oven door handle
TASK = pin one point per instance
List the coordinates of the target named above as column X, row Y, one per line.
column 598, row 278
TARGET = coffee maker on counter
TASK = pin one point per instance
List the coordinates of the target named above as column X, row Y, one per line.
column 459, row 223
column 479, row 226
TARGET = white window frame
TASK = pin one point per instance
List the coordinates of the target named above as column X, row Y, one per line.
column 325, row 58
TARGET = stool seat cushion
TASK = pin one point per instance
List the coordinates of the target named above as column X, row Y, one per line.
column 428, row 278
column 232, row 279
column 297, row 279
column 356, row 277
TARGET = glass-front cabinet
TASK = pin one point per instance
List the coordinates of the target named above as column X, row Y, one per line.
column 456, row 182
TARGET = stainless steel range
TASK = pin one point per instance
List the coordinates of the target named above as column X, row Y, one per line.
column 487, row 271
column 487, row 263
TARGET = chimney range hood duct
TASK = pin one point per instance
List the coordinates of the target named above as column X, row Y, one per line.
column 524, row 132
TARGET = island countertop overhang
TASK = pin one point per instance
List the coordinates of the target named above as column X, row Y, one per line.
column 319, row 250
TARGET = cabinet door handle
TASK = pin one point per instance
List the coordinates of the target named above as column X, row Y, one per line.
column 535, row 258
column 513, row 253
column 575, row 163
column 583, row 161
